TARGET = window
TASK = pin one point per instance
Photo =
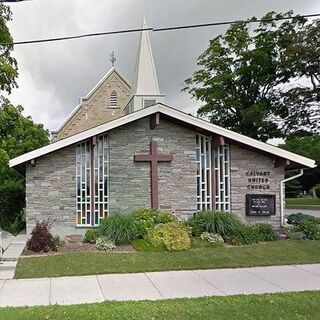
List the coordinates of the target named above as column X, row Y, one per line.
column 204, row 181
column 213, row 173
column 92, row 181
column 222, row 178
column 113, row 99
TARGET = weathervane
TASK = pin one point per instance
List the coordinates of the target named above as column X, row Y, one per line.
column 112, row 58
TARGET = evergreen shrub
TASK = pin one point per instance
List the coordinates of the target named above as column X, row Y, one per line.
column 171, row 235
column 91, row 236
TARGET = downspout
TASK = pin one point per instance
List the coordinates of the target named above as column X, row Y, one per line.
column 282, row 195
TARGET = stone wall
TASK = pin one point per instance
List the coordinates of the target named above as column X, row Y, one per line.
column 130, row 181
column 243, row 160
column 51, row 191
column 97, row 110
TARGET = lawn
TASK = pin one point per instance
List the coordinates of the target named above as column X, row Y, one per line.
column 303, row 203
column 290, row 306
column 85, row 263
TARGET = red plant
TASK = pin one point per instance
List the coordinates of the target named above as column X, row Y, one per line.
column 41, row 238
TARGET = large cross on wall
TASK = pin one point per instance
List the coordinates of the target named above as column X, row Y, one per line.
column 154, row 158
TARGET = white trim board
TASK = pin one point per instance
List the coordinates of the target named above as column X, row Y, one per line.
column 171, row 112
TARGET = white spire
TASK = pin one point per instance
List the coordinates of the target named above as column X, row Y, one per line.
column 145, row 79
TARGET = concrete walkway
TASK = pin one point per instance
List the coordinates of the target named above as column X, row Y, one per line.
column 159, row 285
column 13, row 246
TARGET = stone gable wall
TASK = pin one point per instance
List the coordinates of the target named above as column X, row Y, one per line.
column 243, row 160
column 130, row 185
column 97, row 110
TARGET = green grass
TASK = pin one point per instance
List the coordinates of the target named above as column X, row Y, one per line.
column 303, row 203
column 285, row 306
column 85, row 263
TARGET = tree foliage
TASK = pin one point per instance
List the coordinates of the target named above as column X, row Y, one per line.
column 309, row 147
column 8, row 64
column 261, row 82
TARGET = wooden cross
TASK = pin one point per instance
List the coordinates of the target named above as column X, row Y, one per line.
column 153, row 158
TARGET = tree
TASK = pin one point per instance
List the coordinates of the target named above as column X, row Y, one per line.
column 262, row 83
column 8, row 64
column 18, row 135
column 309, row 147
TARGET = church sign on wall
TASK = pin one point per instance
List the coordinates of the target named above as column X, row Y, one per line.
column 260, row 204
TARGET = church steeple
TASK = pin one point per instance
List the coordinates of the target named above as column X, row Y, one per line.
column 145, row 85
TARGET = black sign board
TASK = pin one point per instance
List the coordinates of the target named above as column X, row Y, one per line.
column 260, row 204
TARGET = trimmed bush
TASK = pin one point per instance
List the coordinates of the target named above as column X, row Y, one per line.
column 212, row 238
column 104, row 243
column 266, row 232
column 311, row 228
column 295, row 235
column 172, row 236
column 244, row 235
column 41, row 238
column 296, row 218
column 119, row 228
column 91, row 236
column 222, row 223
column 144, row 219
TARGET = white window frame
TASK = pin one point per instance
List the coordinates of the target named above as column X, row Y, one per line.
column 113, row 99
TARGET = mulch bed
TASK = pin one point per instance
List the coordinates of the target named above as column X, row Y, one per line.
column 77, row 247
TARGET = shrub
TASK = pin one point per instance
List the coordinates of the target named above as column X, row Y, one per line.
column 295, row 235
column 164, row 217
column 19, row 223
column 57, row 242
column 266, row 232
column 41, row 238
column 296, row 218
column 223, row 223
column 195, row 229
column 104, row 243
column 311, row 228
column 172, row 236
column 244, row 235
column 91, row 236
column 317, row 191
column 144, row 219
column 212, row 237
column 119, row 228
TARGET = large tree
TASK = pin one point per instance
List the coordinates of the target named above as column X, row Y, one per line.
column 261, row 80
column 18, row 134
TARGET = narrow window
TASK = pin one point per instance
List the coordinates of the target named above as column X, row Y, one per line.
column 113, row 99
column 222, row 178
column 204, row 181
column 92, row 205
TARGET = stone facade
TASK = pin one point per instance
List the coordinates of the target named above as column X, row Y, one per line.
column 51, row 185
column 51, row 191
column 97, row 108
column 130, row 181
column 244, row 161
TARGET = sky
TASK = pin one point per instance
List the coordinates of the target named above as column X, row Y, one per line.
column 53, row 76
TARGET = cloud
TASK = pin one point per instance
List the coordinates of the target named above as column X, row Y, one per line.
column 54, row 75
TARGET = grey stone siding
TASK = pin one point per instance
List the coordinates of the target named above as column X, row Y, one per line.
column 130, row 181
column 51, row 191
column 243, row 160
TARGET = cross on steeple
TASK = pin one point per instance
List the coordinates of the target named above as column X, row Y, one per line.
column 112, row 58
column 153, row 158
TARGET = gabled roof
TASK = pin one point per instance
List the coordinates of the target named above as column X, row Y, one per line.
column 92, row 91
column 171, row 113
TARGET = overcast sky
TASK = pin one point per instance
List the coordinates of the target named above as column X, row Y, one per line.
column 52, row 76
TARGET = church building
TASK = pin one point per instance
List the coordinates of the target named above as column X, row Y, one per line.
column 123, row 148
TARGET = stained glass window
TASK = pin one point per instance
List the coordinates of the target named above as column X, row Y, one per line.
column 92, row 189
